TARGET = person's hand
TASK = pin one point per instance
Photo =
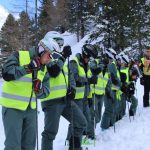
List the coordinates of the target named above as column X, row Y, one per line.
column 142, row 80
column 66, row 51
column 37, row 85
column 53, row 70
column 93, row 79
column 113, row 79
column 131, row 89
column 124, row 88
column 35, row 64
column 96, row 71
column 71, row 92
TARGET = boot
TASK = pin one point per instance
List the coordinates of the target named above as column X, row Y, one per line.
column 145, row 101
column 75, row 143
column 131, row 113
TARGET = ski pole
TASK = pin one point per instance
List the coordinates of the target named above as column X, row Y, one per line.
column 136, row 97
column 72, row 126
column 34, row 77
column 36, row 40
column 129, row 111
column 114, row 120
column 94, row 117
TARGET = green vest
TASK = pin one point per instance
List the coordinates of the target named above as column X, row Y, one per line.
column 81, row 72
column 16, row 94
column 58, row 85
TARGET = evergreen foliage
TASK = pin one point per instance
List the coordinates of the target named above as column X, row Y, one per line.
column 113, row 23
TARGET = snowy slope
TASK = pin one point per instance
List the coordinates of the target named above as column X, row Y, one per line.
column 134, row 135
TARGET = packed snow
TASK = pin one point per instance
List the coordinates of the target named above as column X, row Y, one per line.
column 134, row 135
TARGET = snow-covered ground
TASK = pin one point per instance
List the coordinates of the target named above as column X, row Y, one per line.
column 134, row 135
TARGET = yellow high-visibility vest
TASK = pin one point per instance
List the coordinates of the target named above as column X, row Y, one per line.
column 58, row 85
column 16, row 94
column 80, row 90
column 116, row 87
column 126, row 71
column 146, row 63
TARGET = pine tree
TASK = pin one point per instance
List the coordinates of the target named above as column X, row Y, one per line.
column 122, row 24
column 140, row 25
column 79, row 14
column 10, row 34
column 62, row 15
column 25, row 31
column 46, row 18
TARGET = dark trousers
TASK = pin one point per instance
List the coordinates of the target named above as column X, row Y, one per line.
column 146, row 90
column 20, row 128
column 52, row 113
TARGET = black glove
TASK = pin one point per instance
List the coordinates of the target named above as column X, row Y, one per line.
column 53, row 70
column 124, row 88
column 81, row 81
column 114, row 81
column 123, row 77
column 93, row 79
column 35, row 64
column 37, row 85
column 131, row 89
column 66, row 51
column 142, row 80
column 96, row 71
column 71, row 92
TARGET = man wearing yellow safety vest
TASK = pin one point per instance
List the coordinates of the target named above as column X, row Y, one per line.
column 98, row 91
column 24, row 73
column 145, row 80
column 128, row 87
column 111, row 112
column 60, row 100
column 80, row 68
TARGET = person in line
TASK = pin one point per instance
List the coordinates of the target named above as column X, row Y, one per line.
column 24, row 81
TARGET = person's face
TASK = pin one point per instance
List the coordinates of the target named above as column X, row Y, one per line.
column 86, row 60
column 148, row 53
column 134, row 77
column 46, row 58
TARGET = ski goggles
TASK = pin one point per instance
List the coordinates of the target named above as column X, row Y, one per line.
column 60, row 41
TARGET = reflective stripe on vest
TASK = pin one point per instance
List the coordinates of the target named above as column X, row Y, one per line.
column 24, row 79
column 80, row 90
column 58, row 87
column 16, row 97
column 101, row 84
column 16, row 94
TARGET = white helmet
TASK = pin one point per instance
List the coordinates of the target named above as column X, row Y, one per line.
column 110, row 53
column 56, row 36
column 125, row 59
column 49, row 45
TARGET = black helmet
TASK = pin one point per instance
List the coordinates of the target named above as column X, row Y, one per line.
column 88, row 50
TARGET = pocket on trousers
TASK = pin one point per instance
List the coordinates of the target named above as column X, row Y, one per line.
column 4, row 111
